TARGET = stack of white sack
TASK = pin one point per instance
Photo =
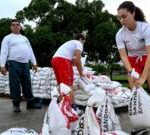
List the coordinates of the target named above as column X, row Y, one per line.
column 3, row 83
column 104, row 82
column 120, row 96
column 41, row 82
column 86, row 70
column 35, row 82
column 45, row 81
column 19, row 131
column 53, row 81
column 99, row 120
column 86, row 84
column 100, row 79
column 89, row 83
column 81, row 97
column 109, row 85
column 86, row 87
column 59, row 116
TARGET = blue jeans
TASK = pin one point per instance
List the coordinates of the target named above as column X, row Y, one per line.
column 19, row 77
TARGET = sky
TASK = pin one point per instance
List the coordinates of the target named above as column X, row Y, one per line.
column 8, row 8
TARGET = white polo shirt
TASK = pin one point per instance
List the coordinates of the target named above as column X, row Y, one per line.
column 134, row 41
column 67, row 50
column 16, row 47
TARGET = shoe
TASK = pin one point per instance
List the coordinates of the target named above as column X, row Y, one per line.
column 33, row 104
column 16, row 109
column 16, row 106
column 140, row 132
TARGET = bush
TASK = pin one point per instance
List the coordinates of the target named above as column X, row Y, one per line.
column 116, row 67
column 99, row 68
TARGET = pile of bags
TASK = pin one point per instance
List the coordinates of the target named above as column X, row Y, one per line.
column 99, row 118
column 41, row 82
column 119, row 95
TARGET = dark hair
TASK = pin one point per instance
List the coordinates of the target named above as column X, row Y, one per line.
column 139, row 15
column 78, row 36
column 14, row 20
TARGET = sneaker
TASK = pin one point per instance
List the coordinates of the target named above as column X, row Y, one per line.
column 16, row 109
column 16, row 106
column 32, row 104
column 140, row 132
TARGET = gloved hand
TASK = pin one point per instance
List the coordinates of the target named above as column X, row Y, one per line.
column 134, row 74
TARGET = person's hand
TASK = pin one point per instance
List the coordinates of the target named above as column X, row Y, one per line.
column 34, row 68
column 139, row 82
column 3, row 71
column 82, row 75
column 135, row 75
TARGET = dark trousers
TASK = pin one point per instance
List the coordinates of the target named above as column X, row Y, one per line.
column 19, row 77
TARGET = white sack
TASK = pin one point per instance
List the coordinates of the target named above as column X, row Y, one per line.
column 86, row 84
column 107, row 118
column 139, row 108
column 19, row 131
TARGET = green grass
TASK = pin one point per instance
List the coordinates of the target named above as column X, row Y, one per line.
column 119, row 77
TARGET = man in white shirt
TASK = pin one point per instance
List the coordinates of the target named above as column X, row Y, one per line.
column 67, row 54
column 16, row 49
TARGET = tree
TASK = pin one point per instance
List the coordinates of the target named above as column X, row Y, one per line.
column 4, row 27
column 57, row 24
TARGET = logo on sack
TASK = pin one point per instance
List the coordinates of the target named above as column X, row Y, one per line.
column 105, row 122
column 135, row 106
column 103, row 117
column 99, row 117
column 22, row 131
column 79, row 130
column 140, row 110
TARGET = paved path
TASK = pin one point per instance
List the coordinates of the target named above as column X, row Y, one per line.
column 28, row 119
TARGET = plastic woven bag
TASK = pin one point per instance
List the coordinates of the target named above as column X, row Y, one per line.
column 139, row 108
column 19, row 131
column 106, row 116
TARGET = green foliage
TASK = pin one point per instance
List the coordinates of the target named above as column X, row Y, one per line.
column 57, row 24
column 4, row 27
column 116, row 67
column 120, row 77
column 98, row 68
